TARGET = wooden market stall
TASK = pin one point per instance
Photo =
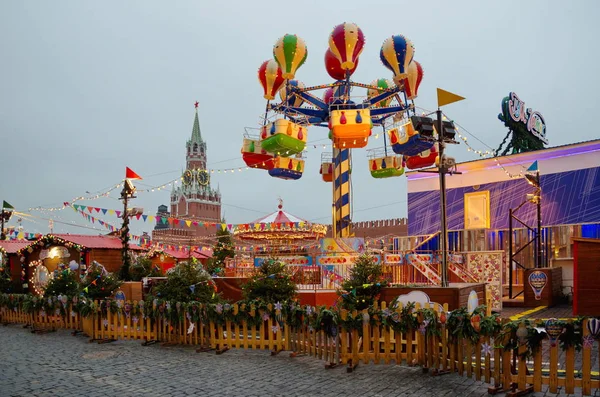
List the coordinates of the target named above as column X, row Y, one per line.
column 41, row 257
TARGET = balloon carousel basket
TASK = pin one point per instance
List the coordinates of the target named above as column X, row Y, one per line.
column 382, row 165
column 283, row 137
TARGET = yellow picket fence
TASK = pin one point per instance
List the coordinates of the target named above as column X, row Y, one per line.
column 41, row 320
column 504, row 370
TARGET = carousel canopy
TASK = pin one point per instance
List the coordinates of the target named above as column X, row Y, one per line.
column 281, row 225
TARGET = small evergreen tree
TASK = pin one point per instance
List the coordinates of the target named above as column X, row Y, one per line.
column 64, row 282
column 5, row 279
column 98, row 283
column 272, row 283
column 142, row 267
column 188, row 282
column 222, row 250
column 364, row 285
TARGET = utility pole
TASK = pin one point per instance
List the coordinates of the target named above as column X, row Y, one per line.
column 538, row 202
column 444, row 222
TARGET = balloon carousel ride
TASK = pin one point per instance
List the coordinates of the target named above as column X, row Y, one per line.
column 351, row 112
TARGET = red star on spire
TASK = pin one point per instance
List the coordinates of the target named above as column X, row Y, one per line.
column 196, row 105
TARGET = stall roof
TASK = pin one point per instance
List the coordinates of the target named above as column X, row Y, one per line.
column 12, row 246
column 91, row 241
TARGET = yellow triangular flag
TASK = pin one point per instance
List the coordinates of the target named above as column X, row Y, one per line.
column 111, row 212
column 188, row 223
column 151, row 218
column 445, row 97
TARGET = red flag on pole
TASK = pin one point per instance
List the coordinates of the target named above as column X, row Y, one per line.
column 129, row 174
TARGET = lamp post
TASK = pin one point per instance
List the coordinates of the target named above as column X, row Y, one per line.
column 126, row 194
column 533, row 178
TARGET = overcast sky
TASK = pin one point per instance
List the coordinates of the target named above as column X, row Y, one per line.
column 87, row 88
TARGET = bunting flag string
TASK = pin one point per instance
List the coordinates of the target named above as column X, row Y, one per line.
column 102, row 223
column 21, row 235
column 174, row 222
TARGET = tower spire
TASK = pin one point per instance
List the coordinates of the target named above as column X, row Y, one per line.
column 196, row 135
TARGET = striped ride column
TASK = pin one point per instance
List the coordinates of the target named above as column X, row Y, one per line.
column 341, row 192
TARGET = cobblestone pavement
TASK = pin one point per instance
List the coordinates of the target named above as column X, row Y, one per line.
column 58, row 364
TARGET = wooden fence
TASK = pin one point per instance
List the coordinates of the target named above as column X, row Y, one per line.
column 373, row 342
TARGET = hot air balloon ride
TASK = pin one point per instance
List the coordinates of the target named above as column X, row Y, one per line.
column 413, row 81
column 346, row 42
column 382, row 85
column 270, row 77
column 407, row 141
column 426, row 158
column 326, row 170
column 254, row 155
column 396, row 54
column 283, row 137
column 334, row 67
column 384, row 165
column 343, row 107
column 290, row 53
column 290, row 98
column 287, row 167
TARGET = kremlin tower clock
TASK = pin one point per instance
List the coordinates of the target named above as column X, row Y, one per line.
column 193, row 200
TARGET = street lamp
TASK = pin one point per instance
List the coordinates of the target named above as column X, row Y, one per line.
column 126, row 194
column 5, row 217
column 532, row 175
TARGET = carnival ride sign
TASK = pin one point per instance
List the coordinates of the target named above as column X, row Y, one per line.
column 527, row 126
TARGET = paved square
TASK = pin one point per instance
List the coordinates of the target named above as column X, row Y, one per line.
column 58, row 364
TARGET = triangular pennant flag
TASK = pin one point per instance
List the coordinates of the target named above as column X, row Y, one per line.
column 144, row 217
column 118, row 214
column 97, row 209
column 110, row 212
column 163, row 220
column 7, row 206
column 138, row 216
column 533, row 167
column 229, row 226
column 223, row 226
column 188, row 223
column 90, row 209
column 151, row 218
column 194, row 223
column 129, row 174
column 104, row 210
column 445, row 97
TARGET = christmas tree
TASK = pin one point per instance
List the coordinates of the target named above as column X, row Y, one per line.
column 272, row 283
column 364, row 285
column 188, row 282
column 64, row 282
column 5, row 281
column 142, row 267
column 222, row 250
column 98, row 283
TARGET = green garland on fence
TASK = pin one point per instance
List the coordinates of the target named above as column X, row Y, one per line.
column 460, row 324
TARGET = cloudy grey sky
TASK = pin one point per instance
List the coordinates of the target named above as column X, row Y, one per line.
column 87, row 88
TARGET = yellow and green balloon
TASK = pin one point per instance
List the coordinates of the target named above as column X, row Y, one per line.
column 290, row 53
